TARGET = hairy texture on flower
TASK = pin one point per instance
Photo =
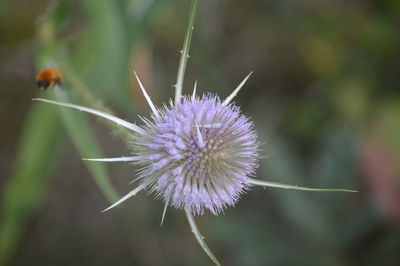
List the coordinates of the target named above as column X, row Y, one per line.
column 197, row 154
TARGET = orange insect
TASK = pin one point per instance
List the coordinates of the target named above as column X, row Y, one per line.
column 48, row 77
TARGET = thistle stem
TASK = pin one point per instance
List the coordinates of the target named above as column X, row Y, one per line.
column 185, row 53
column 200, row 238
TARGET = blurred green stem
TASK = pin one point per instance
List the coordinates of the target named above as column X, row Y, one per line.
column 46, row 36
column 27, row 187
column 85, row 142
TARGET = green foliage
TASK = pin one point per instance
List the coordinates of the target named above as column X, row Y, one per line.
column 27, row 188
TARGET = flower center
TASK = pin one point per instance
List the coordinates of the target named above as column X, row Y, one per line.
column 201, row 159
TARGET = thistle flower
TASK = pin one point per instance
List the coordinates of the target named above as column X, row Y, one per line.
column 196, row 153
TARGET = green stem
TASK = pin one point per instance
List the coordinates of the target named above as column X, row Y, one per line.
column 185, row 52
column 200, row 238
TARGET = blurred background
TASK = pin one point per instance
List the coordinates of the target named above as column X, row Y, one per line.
column 324, row 95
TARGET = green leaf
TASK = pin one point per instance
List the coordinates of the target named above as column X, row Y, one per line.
column 102, row 57
column 84, row 140
column 26, row 189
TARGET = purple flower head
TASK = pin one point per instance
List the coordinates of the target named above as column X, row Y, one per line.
column 198, row 154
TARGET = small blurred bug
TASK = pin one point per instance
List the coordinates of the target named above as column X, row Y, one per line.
column 48, row 77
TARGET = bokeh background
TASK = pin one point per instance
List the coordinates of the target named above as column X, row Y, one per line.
column 325, row 97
